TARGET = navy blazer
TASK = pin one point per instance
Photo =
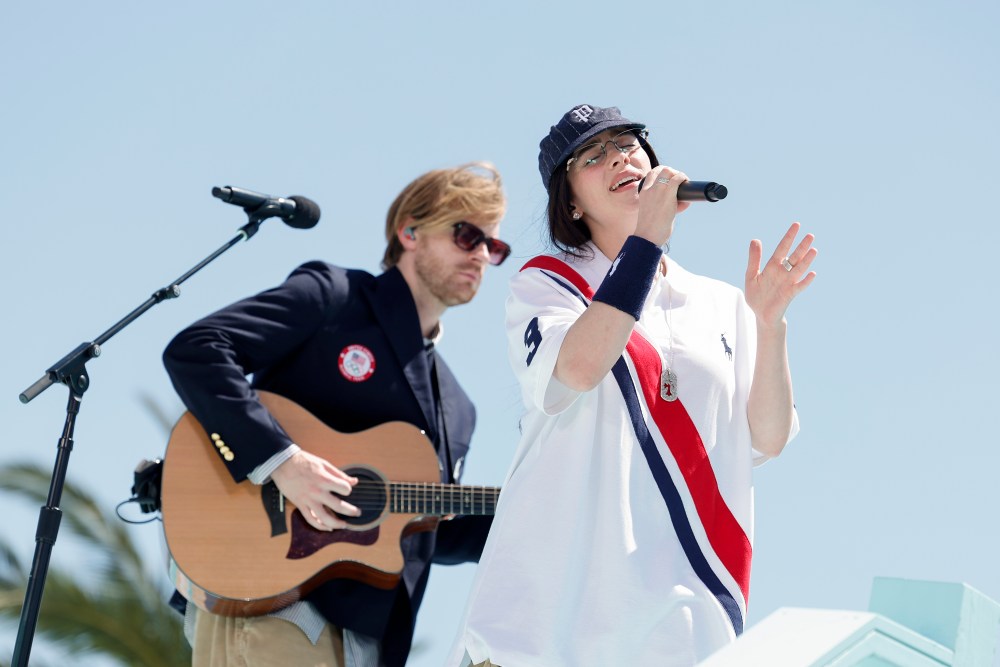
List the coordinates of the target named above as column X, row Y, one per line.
column 290, row 339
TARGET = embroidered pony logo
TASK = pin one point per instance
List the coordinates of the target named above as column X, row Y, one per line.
column 728, row 350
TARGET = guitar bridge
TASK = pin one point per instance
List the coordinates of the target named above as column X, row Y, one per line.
column 274, row 507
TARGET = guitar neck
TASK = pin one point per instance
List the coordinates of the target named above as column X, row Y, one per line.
column 442, row 499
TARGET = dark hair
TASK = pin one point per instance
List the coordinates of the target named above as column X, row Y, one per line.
column 565, row 233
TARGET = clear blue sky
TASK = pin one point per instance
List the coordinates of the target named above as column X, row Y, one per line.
column 873, row 123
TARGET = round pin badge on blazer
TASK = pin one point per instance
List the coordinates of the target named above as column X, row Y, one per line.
column 356, row 363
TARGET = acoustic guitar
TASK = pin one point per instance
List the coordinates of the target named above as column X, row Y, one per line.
column 242, row 550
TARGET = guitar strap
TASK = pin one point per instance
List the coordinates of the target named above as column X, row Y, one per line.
column 439, row 412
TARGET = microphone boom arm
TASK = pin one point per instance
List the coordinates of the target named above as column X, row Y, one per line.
column 61, row 370
column 71, row 370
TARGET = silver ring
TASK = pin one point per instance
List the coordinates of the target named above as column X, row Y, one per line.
column 788, row 265
column 663, row 180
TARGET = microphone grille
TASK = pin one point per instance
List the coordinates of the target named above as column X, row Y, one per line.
column 716, row 191
column 306, row 213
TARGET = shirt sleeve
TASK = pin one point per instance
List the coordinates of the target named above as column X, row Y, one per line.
column 541, row 308
column 262, row 473
column 749, row 326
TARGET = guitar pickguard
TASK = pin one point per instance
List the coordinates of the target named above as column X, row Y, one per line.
column 306, row 540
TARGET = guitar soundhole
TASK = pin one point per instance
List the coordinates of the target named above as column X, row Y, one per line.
column 369, row 496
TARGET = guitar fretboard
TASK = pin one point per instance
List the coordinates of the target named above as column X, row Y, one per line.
column 441, row 499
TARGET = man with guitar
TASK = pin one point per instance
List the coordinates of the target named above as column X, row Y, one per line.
column 355, row 351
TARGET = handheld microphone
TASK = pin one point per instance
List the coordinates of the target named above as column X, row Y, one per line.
column 701, row 191
column 297, row 211
column 697, row 190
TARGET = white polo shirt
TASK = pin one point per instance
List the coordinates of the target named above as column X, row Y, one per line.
column 624, row 529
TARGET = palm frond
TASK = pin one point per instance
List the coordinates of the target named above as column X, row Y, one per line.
column 102, row 533
column 11, row 572
column 158, row 413
column 119, row 611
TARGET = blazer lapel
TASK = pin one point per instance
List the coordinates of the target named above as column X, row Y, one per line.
column 392, row 303
column 456, row 411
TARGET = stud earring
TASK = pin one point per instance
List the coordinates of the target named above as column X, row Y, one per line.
column 577, row 215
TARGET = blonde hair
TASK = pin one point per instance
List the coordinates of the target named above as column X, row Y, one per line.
column 444, row 197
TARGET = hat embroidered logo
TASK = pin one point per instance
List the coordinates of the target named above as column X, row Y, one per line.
column 583, row 112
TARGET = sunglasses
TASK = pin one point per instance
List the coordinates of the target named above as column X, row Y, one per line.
column 468, row 237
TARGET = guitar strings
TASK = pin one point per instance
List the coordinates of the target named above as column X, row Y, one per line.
column 375, row 495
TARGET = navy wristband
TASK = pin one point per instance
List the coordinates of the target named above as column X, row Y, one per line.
column 627, row 283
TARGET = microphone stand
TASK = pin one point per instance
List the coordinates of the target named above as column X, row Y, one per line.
column 71, row 370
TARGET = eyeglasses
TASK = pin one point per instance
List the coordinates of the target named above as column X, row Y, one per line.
column 628, row 142
column 468, row 237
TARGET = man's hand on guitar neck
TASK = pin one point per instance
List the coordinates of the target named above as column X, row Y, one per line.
column 310, row 482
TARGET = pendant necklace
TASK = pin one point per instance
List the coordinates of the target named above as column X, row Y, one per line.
column 668, row 380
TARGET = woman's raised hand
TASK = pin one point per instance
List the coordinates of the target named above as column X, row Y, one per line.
column 769, row 289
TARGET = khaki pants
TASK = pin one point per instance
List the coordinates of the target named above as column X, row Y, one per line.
column 262, row 641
